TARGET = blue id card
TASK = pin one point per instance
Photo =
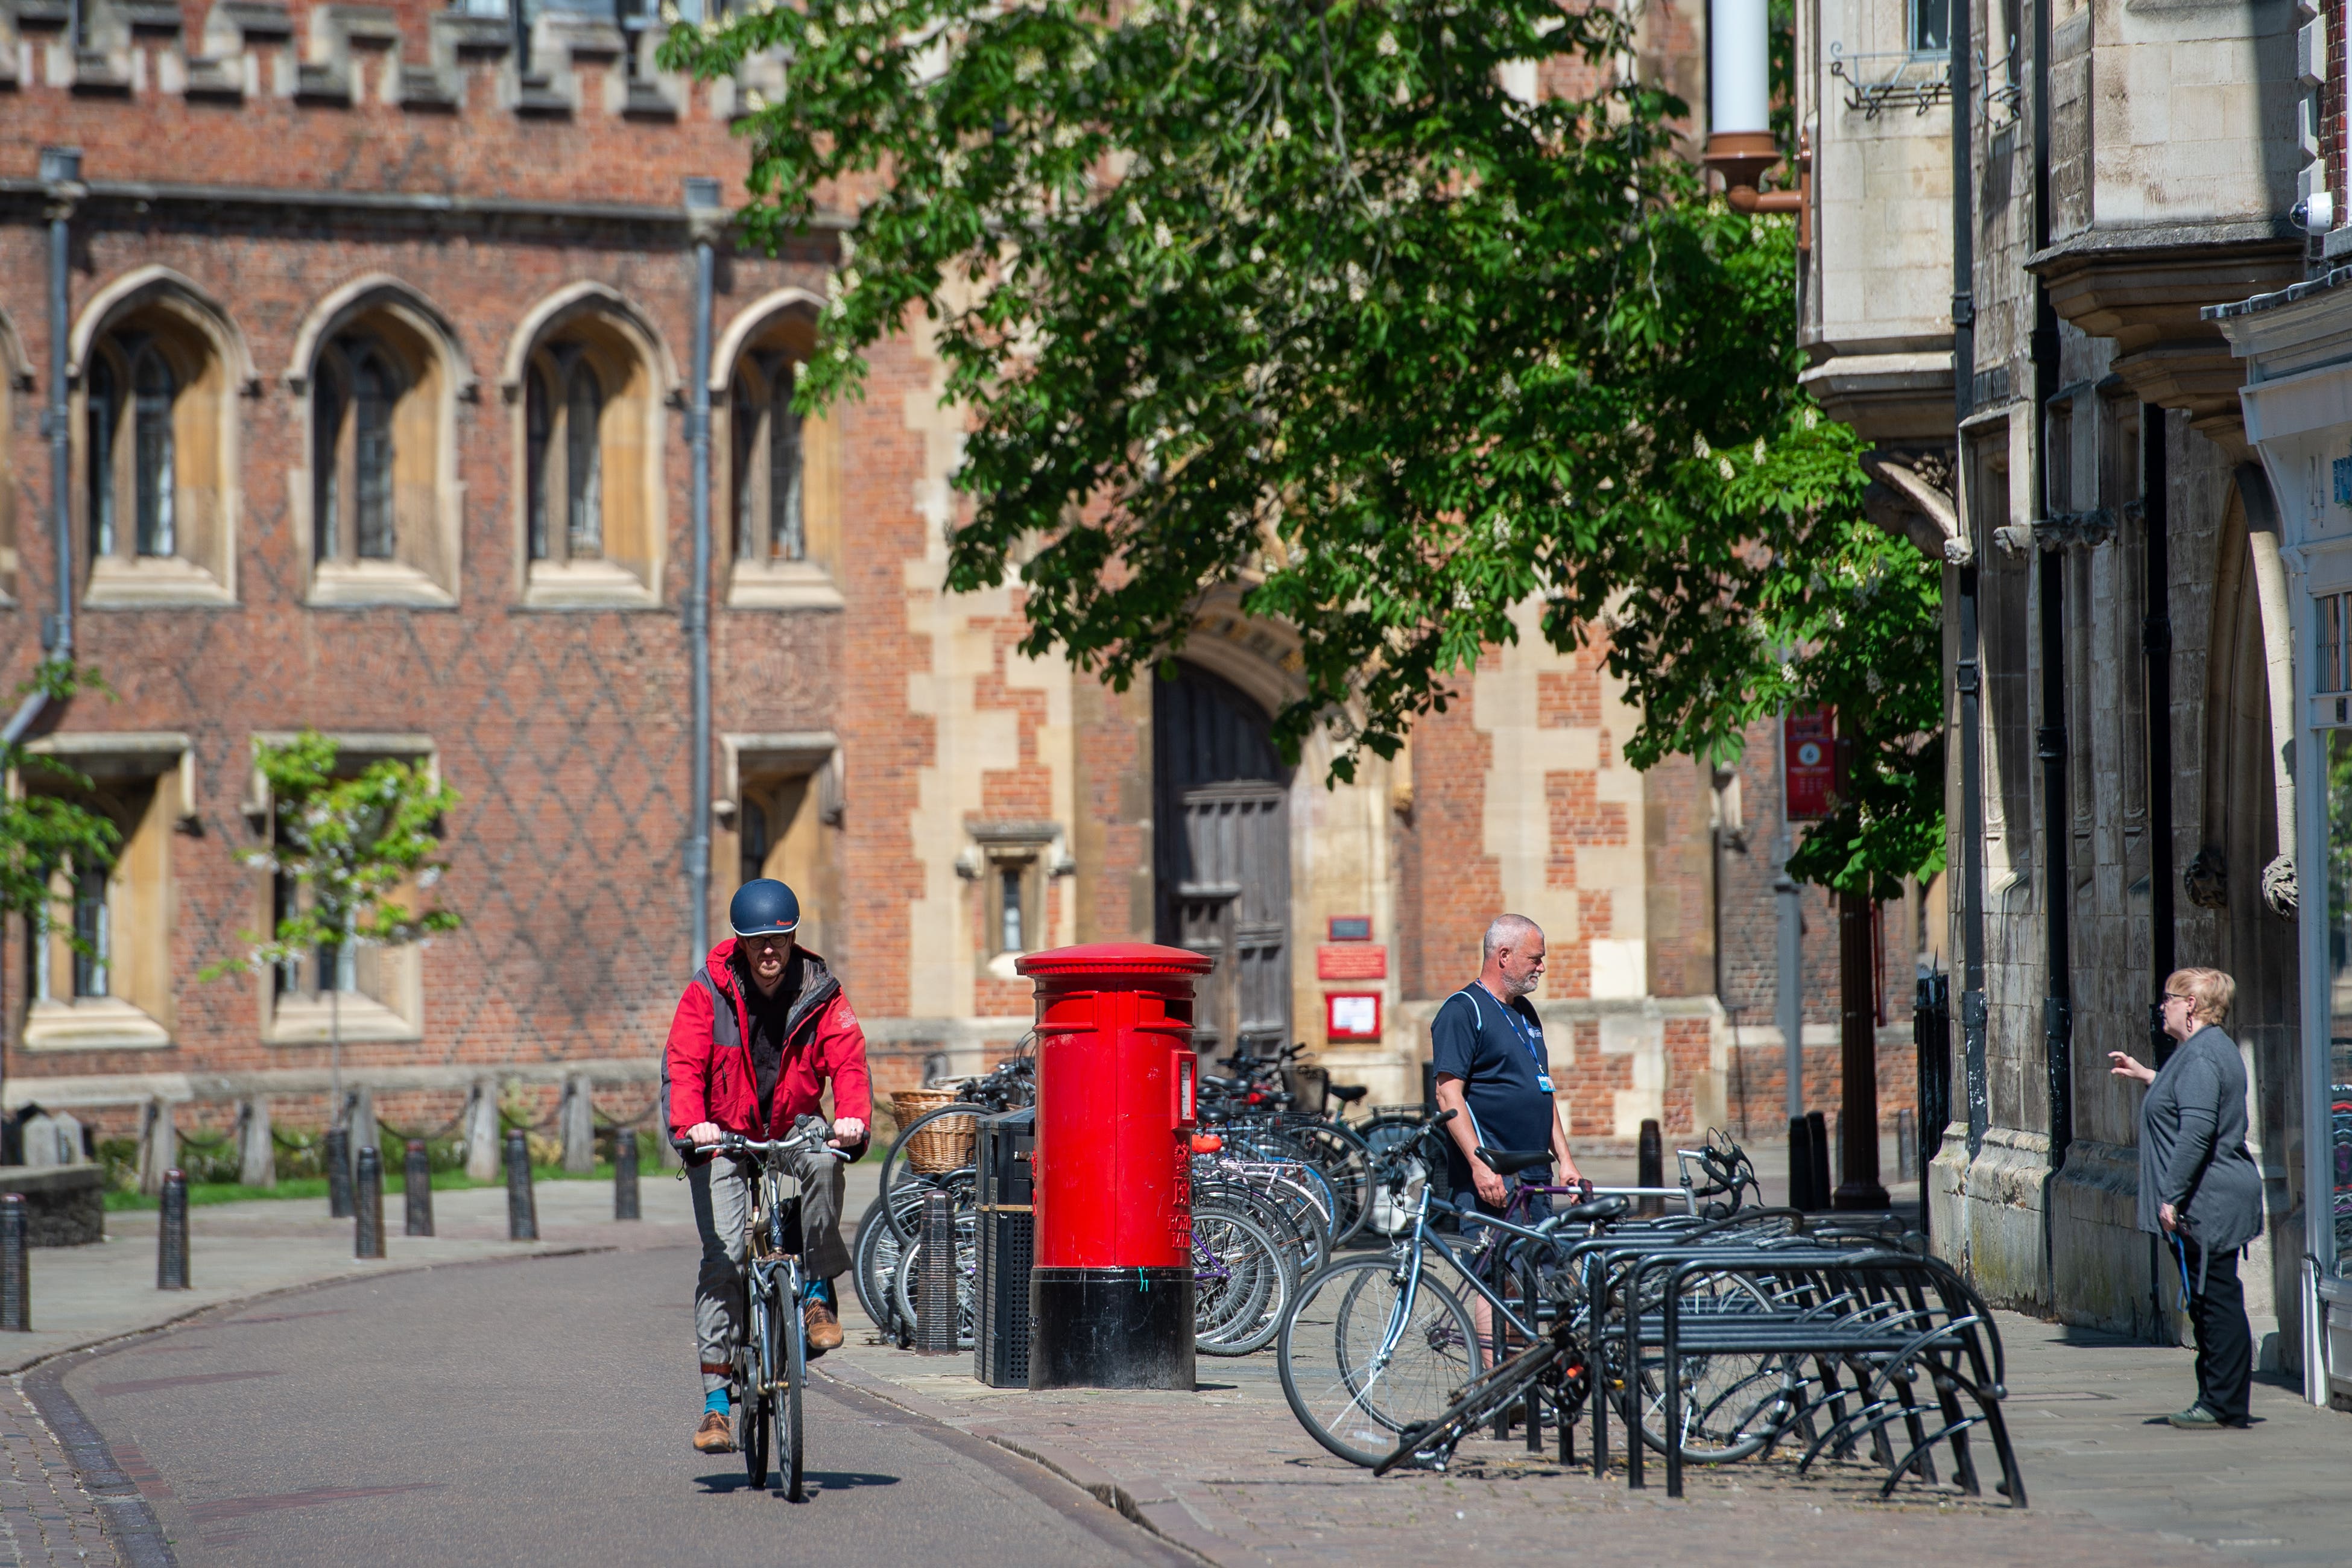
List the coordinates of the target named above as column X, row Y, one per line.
column 1543, row 1081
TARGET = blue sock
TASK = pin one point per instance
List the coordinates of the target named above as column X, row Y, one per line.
column 716, row 1400
column 822, row 1290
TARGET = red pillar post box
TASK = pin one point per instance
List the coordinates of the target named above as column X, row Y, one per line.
column 1111, row 1294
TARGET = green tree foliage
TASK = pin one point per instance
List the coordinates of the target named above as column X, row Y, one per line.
column 44, row 825
column 350, row 847
column 1298, row 298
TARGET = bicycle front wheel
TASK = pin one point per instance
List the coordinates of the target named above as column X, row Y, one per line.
column 751, row 1424
column 1358, row 1369
column 788, row 1408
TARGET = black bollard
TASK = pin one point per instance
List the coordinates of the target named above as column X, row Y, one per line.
column 935, row 1314
column 1801, row 1164
column 1822, row 1188
column 418, row 1184
column 625, row 1174
column 15, row 1276
column 1652, row 1172
column 172, row 1235
column 522, row 1206
column 338, row 1172
column 367, row 1200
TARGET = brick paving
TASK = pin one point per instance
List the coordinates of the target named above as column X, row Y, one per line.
column 46, row 1516
column 1227, row 1472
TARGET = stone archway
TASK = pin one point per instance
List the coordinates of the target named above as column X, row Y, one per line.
column 1223, row 863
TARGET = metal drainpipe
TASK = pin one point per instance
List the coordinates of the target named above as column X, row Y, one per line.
column 703, row 204
column 1965, row 674
column 2155, row 642
column 2050, row 743
column 61, row 174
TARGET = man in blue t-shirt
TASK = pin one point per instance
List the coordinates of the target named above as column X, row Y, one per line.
column 1488, row 1047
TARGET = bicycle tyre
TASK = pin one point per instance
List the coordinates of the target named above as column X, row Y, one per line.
column 1243, row 1320
column 1345, row 1162
column 891, row 1174
column 874, row 1256
column 788, row 1411
column 1328, row 1343
column 1729, row 1402
column 752, row 1424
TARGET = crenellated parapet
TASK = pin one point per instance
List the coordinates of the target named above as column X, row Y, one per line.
column 391, row 97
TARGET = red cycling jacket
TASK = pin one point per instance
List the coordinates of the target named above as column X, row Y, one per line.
column 707, row 1068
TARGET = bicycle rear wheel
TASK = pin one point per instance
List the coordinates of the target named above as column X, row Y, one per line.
column 788, row 1410
column 1357, row 1371
column 1243, row 1280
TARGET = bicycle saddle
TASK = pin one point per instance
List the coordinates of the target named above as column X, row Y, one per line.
column 1509, row 1161
column 1348, row 1093
column 1610, row 1207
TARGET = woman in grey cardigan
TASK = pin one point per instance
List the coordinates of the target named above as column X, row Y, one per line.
column 2199, row 1187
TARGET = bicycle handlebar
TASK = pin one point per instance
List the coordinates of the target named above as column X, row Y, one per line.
column 736, row 1143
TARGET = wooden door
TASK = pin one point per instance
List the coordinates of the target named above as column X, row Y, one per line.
column 1223, row 860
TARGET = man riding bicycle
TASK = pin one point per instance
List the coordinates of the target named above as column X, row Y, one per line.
column 763, row 1029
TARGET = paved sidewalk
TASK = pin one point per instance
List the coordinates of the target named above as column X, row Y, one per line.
column 84, row 1295
column 1227, row 1472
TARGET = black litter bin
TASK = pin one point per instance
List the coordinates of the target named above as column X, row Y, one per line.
column 1008, row 1233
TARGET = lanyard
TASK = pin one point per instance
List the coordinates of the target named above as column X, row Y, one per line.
column 1521, row 1028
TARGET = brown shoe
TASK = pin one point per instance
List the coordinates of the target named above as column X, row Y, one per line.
column 715, row 1435
column 824, row 1327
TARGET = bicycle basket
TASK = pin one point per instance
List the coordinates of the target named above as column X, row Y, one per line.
column 1309, row 1088
column 944, row 1145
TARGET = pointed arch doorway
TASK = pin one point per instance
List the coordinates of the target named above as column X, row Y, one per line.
column 1223, row 871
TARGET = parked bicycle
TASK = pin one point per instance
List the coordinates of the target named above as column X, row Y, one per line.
column 771, row 1363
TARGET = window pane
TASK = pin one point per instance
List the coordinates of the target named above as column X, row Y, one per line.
column 539, row 414
column 326, row 442
column 1010, row 937
column 2329, row 625
column 755, row 841
column 583, row 414
column 90, row 927
column 744, row 421
column 372, row 459
column 105, row 414
column 154, row 386
column 2339, row 988
column 785, row 539
column 1931, row 26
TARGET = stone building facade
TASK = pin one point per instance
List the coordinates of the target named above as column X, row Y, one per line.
column 2027, row 326
column 378, row 345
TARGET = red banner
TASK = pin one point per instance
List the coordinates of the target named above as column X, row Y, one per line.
column 1809, row 762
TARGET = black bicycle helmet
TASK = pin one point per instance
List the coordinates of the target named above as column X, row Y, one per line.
column 764, row 907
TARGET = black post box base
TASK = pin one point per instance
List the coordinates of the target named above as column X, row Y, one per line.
column 1110, row 1328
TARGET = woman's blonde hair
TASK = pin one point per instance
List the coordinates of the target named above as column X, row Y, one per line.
column 2210, row 993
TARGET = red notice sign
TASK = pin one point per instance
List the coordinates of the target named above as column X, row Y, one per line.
column 1352, row 961
column 1809, row 756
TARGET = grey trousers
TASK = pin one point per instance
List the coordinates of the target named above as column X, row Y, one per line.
column 722, row 1205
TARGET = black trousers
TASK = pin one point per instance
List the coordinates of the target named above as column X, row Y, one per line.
column 2225, row 1341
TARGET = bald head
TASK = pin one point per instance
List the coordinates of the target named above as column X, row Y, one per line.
column 1511, row 957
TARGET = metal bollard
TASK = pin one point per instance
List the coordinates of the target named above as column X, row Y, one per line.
column 338, row 1172
column 935, row 1314
column 15, row 1276
column 1652, row 1172
column 625, row 1174
column 1822, row 1187
column 1801, row 1164
column 367, row 1200
column 172, row 1235
column 418, row 1186
column 522, row 1206
column 1906, row 1145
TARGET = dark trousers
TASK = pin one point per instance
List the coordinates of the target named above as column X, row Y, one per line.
column 2225, row 1341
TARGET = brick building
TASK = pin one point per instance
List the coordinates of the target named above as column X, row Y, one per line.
column 378, row 338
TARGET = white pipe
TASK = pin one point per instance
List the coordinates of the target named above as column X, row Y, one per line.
column 1737, row 65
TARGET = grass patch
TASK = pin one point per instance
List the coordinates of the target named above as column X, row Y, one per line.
column 396, row 1184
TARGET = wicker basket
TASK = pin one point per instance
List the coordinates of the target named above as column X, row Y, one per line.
column 947, row 1143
